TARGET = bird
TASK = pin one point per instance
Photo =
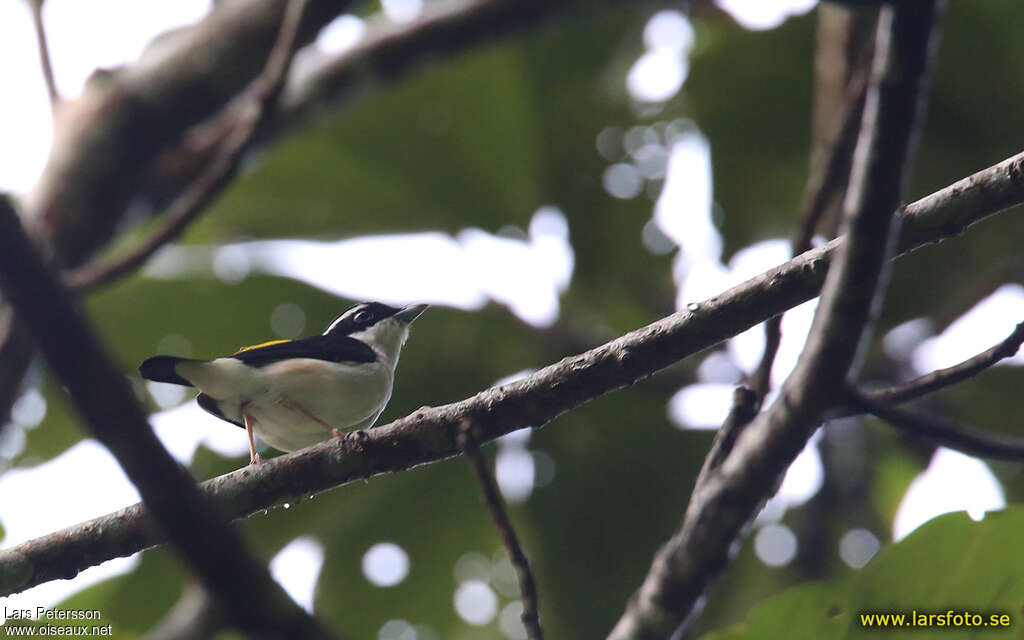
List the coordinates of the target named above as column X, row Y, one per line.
column 295, row 393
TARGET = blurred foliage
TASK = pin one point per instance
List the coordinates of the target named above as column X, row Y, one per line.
column 949, row 564
column 482, row 141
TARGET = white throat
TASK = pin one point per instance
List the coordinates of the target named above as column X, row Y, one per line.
column 386, row 338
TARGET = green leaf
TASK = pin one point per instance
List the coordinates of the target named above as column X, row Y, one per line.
column 950, row 563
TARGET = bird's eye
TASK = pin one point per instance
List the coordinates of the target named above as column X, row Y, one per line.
column 363, row 316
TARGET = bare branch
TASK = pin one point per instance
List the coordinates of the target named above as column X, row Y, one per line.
column 386, row 52
column 824, row 184
column 745, row 404
column 492, row 498
column 124, row 119
column 941, row 430
column 686, row 566
column 36, row 7
column 429, row 435
column 931, row 382
column 252, row 600
column 264, row 95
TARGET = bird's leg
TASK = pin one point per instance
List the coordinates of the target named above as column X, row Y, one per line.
column 253, row 456
column 327, row 427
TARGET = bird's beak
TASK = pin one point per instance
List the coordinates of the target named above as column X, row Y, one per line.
column 411, row 312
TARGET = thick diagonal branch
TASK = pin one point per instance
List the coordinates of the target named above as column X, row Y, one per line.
column 429, row 435
column 689, row 563
column 254, row 602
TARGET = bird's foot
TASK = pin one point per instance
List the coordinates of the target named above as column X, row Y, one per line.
column 357, row 439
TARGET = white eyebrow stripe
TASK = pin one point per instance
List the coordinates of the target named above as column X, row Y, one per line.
column 348, row 313
column 333, row 324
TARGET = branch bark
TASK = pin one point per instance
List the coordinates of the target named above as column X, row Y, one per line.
column 495, row 504
column 36, row 7
column 689, row 563
column 429, row 435
column 826, row 182
column 252, row 116
column 385, row 53
column 932, row 382
column 126, row 117
column 941, row 430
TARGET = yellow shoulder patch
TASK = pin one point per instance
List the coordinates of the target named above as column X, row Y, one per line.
column 257, row 346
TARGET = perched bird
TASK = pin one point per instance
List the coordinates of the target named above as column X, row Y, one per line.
column 294, row 393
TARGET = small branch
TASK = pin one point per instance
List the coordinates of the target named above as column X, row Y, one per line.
column 745, row 404
column 428, row 435
column 113, row 132
column 265, row 91
column 386, row 52
column 36, row 7
column 102, row 396
column 823, row 185
column 495, row 504
column 688, row 564
column 945, row 432
column 931, row 382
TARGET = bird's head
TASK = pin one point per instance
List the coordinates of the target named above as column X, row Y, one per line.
column 382, row 327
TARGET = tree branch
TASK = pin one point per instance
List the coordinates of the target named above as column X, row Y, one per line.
column 941, row 378
column 36, row 7
column 689, row 563
column 745, row 404
column 125, row 118
column 824, row 184
column 428, row 435
column 492, row 498
column 386, row 52
column 251, row 599
column 943, row 431
column 262, row 100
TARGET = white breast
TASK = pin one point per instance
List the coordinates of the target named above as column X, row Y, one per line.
column 279, row 396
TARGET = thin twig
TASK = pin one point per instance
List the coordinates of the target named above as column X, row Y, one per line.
column 941, row 378
column 745, row 404
column 943, row 431
column 36, row 7
column 428, row 435
column 122, row 122
column 265, row 90
column 821, row 186
column 495, row 504
column 386, row 52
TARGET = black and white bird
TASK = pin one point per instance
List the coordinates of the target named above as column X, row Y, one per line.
column 294, row 393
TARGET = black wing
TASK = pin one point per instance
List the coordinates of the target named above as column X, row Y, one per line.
column 331, row 349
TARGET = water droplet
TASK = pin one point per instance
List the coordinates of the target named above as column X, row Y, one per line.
column 266, row 512
column 693, row 306
column 287, row 505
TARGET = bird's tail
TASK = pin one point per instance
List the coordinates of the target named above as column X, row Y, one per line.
column 162, row 369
